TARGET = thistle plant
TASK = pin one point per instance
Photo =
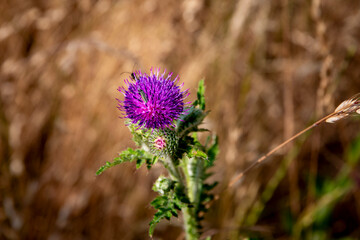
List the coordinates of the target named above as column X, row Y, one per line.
column 165, row 129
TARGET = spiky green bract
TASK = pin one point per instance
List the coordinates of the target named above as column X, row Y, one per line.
column 130, row 155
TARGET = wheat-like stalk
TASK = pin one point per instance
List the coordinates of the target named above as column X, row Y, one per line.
column 345, row 109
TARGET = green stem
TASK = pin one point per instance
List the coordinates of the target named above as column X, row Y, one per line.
column 190, row 224
column 192, row 169
column 173, row 170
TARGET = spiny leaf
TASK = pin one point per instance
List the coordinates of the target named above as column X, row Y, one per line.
column 181, row 196
column 129, row 155
column 108, row 165
column 166, row 206
column 212, row 152
column 197, row 153
column 200, row 96
column 190, row 122
column 185, row 146
column 209, row 187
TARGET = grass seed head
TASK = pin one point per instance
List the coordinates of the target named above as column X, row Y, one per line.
column 345, row 109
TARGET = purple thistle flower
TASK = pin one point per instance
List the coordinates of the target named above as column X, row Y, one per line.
column 152, row 101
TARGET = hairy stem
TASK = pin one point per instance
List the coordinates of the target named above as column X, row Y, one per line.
column 192, row 168
column 173, row 170
column 190, row 223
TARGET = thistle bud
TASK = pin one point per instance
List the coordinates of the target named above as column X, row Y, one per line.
column 163, row 142
column 163, row 185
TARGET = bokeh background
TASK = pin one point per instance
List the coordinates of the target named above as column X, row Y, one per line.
column 271, row 68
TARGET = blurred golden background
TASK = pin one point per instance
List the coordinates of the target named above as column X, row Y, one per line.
column 271, row 68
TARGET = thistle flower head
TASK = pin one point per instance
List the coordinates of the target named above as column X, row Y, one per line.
column 152, row 101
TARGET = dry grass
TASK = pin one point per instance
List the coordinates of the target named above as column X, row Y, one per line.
column 271, row 68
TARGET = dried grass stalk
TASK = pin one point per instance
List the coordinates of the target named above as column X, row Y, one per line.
column 345, row 109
